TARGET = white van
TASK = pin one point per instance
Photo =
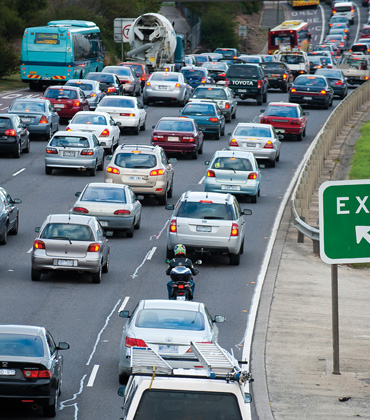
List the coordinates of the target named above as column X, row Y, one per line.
column 346, row 9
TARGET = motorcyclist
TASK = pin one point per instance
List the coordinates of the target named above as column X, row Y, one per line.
column 180, row 260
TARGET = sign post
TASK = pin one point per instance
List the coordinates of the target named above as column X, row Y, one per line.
column 121, row 30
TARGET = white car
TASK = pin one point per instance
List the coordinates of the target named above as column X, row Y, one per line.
column 101, row 124
column 127, row 111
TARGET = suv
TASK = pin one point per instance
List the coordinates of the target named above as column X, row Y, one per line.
column 346, row 9
column 209, row 223
column 145, row 169
column 227, row 52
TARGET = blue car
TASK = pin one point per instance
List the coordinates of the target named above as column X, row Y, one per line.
column 9, row 216
column 207, row 115
column 235, row 172
column 195, row 76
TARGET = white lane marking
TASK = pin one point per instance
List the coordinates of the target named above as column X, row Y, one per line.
column 124, row 303
column 358, row 22
column 323, row 24
column 63, row 403
column 151, row 253
column 12, row 96
column 160, row 233
column 93, row 376
column 20, row 171
column 29, row 251
column 142, row 263
column 2, row 109
column 201, row 180
column 101, row 332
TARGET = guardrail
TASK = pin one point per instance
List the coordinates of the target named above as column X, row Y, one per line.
column 314, row 161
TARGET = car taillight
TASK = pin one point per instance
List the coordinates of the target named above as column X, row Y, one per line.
column 227, row 105
column 134, row 342
column 234, row 230
column 93, row 247
column 80, row 210
column 302, row 72
column 112, row 170
column 178, row 85
column 252, row 175
column 268, row 145
column 68, row 129
column 215, row 120
column 51, row 151
column 352, row 10
column 264, row 120
column 222, row 74
column 323, row 92
column 233, row 142
column 43, row 120
column 211, row 174
column 188, row 139
column 156, row 172
column 111, row 89
column 148, row 83
column 160, row 138
column 142, row 78
column 92, row 95
column 38, row 244
column 259, row 84
column 35, row 373
column 338, row 83
column 294, row 122
column 87, row 152
column 11, row 133
column 293, row 90
column 120, row 212
column 204, row 80
column 285, row 76
column 76, row 102
column 173, row 226
column 366, row 78
column 126, row 114
column 104, row 133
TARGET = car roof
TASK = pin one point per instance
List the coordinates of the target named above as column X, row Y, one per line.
column 193, row 68
column 252, row 125
column 59, row 87
column 283, row 104
column 76, row 133
column 234, row 153
column 81, row 81
column 70, row 219
column 170, row 304
column 175, row 119
column 342, row 3
column 132, row 147
column 106, row 185
column 31, row 100
column 105, row 114
column 22, row 329
column 201, row 195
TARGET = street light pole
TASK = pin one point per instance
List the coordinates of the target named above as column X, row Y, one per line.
column 277, row 13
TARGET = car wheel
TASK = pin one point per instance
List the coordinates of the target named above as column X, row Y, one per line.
column 278, row 157
column 169, row 254
column 260, row 99
column 273, row 163
column 137, row 130
column 254, row 198
column 130, row 232
column 35, row 275
column 233, row 116
column 223, row 131
column 48, row 170
column 49, row 134
column 105, row 268
column 143, row 127
column 284, row 89
column 51, row 410
column 234, row 259
column 200, row 150
column 4, row 236
column 163, row 199
column 218, row 134
column 194, row 155
column 93, row 170
column 145, row 102
column 304, row 132
column 14, row 229
column 228, row 118
column 123, row 379
column 96, row 277
column 264, row 97
column 101, row 166
column 17, row 153
column 28, row 146
column 241, row 251
column 138, row 223
column 170, row 191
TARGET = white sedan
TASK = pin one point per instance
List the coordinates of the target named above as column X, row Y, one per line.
column 127, row 111
column 101, row 124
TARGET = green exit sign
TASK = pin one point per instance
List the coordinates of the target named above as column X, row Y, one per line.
column 344, row 208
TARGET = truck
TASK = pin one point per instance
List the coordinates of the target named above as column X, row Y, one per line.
column 218, row 388
column 356, row 68
column 154, row 42
column 295, row 59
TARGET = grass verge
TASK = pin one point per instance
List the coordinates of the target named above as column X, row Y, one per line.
column 360, row 163
column 11, row 82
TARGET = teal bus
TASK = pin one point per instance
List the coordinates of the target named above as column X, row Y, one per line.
column 62, row 50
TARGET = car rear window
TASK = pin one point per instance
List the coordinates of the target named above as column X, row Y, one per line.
column 119, row 102
column 83, row 86
column 357, row 48
column 281, row 111
column 61, row 94
column 242, row 71
column 192, row 73
column 121, row 71
column 201, row 59
column 253, row 132
column 21, row 345
column 5, row 123
column 173, row 319
column 136, row 67
column 343, row 9
column 69, row 141
column 310, row 81
column 292, row 59
column 20, row 106
column 101, row 77
column 89, row 119
column 215, row 66
column 232, row 163
column 175, row 125
column 204, row 210
column 105, row 195
column 198, row 109
column 209, row 93
column 70, row 231
column 169, row 77
column 135, row 160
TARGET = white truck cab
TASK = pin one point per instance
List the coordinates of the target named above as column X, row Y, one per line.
column 295, row 59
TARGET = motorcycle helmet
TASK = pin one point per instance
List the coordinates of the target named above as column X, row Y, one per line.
column 179, row 250
column 180, row 274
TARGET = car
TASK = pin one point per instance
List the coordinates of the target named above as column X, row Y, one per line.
column 115, row 206
column 217, row 70
column 127, row 78
column 365, row 31
column 14, row 136
column 340, row 25
column 129, row 112
column 227, row 52
column 345, row 9
column 196, row 76
column 316, row 62
column 108, row 82
column 360, row 47
column 336, row 79
column 337, row 41
column 213, row 56
column 102, row 124
column 207, row 223
column 9, row 215
column 67, row 100
column 249, row 58
column 338, row 19
column 341, row 32
column 235, row 172
column 267, row 58
column 178, row 135
column 38, row 115
column 168, row 327
column 202, row 58
column 325, row 47
column 74, row 150
column 141, row 71
column 311, row 90
column 91, row 89
column 145, row 169
column 364, row 40
column 278, row 74
column 222, row 95
column 259, row 139
column 207, row 115
column 289, row 120
column 328, row 62
column 70, row 243
column 168, row 87
column 190, row 60
column 31, row 367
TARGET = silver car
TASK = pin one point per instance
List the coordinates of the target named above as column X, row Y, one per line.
column 167, row 327
column 74, row 150
column 70, row 242
column 260, row 139
column 166, row 86
column 207, row 223
column 91, row 89
column 127, row 78
column 114, row 205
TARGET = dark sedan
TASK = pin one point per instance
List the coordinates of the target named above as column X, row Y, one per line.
column 196, row 76
column 14, row 136
column 312, row 90
column 109, row 82
column 9, row 216
column 217, row 70
column 278, row 74
column 337, row 80
column 38, row 115
column 30, row 368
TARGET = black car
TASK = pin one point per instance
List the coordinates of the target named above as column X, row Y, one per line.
column 109, row 82
column 30, row 368
column 312, row 90
column 9, row 216
column 337, row 80
column 14, row 136
column 217, row 70
column 278, row 75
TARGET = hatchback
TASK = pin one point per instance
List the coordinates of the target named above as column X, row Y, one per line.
column 9, row 215
column 32, row 368
column 168, row 327
column 196, row 76
column 233, row 171
column 14, row 136
column 127, row 78
column 108, row 82
column 74, row 150
column 337, row 80
column 207, row 223
column 311, row 90
column 166, row 86
column 345, row 9
column 38, row 115
column 145, row 169
column 67, row 100
column 91, row 89
column 70, row 242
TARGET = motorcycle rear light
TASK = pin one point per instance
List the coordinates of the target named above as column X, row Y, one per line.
column 10, row 133
column 36, row 373
column 227, row 105
column 252, row 175
column 233, row 142
column 38, row 244
column 94, row 247
column 43, row 120
column 80, row 210
column 134, row 342
column 234, row 230
column 112, row 170
column 180, row 286
column 120, row 212
column 51, row 151
column 222, row 74
column 160, row 138
column 173, row 226
column 87, row 152
column 156, row 172
column 215, row 120
column 211, row 174
column 188, row 139
column 105, row 133
column 76, row 102
column 268, row 145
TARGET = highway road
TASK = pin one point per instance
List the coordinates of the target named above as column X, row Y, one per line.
column 85, row 314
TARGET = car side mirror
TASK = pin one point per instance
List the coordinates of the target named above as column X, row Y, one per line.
column 62, row 345
column 172, row 160
column 247, row 212
column 108, row 157
column 219, row 319
column 121, row 390
column 229, row 134
column 78, row 193
column 124, row 314
column 153, row 126
column 102, row 143
column 118, row 123
column 17, row 201
column 37, row 229
column 170, row 207
column 280, row 136
column 145, row 107
column 206, row 162
column 306, row 113
column 247, row 398
column 140, row 197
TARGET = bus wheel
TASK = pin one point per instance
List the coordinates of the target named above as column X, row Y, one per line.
column 34, row 85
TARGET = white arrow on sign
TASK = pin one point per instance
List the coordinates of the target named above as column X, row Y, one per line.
column 362, row 232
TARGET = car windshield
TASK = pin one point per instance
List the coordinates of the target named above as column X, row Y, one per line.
column 165, row 77
column 198, row 109
column 310, row 81
column 252, row 131
column 82, row 85
column 101, row 77
column 168, row 125
column 173, row 319
column 121, row 71
column 204, row 210
column 273, row 66
column 232, row 163
column 89, row 119
column 242, row 71
column 23, row 106
column 70, row 231
column 135, row 160
column 209, row 93
column 61, row 94
column 21, row 345
column 106, row 194
column 69, row 141
column 5, row 123
column 193, row 73
column 281, row 111
column 117, row 102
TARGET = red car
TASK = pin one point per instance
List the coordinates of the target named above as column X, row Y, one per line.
column 178, row 135
column 67, row 100
column 141, row 71
column 288, row 119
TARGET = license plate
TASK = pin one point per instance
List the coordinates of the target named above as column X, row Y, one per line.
column 230, row 187
column 162, row 87
column 135, row 178
column 275, row 75
column 7, row 372
column 307, row 98
column 69, row 154
column 251, row 144
column 168, row 349
column 59, row 106
column 180, row 297
column 173, row 138
column 204, row 229
column 242, row 90
column 26, row 119
column 66, row 263
column 103, row 223
column 280, row 130
column 46, row 78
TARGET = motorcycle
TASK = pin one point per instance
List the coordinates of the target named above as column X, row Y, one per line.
column 181, row 284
